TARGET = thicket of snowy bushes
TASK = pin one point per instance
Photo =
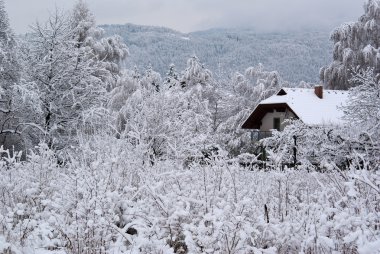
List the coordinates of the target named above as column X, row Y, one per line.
column 121, row 161
column 107, row 200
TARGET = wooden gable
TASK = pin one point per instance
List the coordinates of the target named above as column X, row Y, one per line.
column 254, row 120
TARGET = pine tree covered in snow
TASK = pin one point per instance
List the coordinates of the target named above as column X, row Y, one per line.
column 356, row 45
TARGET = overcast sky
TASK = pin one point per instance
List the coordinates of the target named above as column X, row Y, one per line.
column 193, row 15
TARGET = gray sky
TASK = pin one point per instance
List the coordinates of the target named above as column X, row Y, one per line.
column 192, row 15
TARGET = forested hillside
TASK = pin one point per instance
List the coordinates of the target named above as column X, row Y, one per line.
column 295, row 55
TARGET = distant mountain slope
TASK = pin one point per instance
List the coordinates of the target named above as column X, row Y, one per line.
column 296, row 55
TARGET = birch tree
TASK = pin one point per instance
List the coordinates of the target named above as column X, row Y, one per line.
column 356, row 45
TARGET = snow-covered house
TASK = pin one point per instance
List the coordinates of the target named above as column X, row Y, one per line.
column 312, row 106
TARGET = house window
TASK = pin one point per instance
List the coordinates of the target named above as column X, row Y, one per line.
column 276, row 123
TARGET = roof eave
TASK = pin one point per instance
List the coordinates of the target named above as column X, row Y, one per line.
column 254, row 120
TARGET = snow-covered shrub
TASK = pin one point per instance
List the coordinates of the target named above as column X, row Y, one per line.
column 105, row 198
column 27, row 190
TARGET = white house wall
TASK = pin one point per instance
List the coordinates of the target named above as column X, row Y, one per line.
column 267, row 121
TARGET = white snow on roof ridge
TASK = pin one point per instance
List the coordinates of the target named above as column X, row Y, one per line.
column 311, row 109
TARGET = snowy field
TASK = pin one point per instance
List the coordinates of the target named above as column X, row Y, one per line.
column 108, row 201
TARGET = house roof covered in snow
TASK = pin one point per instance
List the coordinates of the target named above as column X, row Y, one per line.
column 305, row 104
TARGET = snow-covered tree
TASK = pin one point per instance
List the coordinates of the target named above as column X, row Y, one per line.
column 363, row 107
column 267, row 81
column 198, row 80
column 356, row 45
column 165, row 121
column 127, row 84
column 166, row 124
column 172, row 77
column 195, row 74
column 111, row 51
column 71, row 65
column 362, row 111
column 151, row 79
column 83, row 22
column 245, row 92
column 10, row 130
column 311, row 147
column 65, row 77
column 130, row 82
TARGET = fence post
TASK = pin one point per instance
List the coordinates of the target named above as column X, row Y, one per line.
column 295, row 151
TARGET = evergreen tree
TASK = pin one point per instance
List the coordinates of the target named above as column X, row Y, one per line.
column 356, row 45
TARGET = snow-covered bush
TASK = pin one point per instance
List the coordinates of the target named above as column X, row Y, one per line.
column 106, row 199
